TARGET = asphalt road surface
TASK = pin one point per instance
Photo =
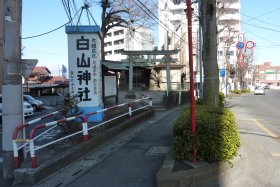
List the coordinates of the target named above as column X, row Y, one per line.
column 258, row 117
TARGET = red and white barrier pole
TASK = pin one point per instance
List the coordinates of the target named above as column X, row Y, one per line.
column 150, row 102
column 85, row 130
column 32, row 154
column 129, row 110
column 16, row 159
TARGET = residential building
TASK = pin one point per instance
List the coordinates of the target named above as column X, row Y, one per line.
column 119, row 39
column 266, row 73
column 228, row 22
column 38, row 75
column 41, row 82
column 173, row 34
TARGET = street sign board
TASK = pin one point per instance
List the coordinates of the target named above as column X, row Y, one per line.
column 27, row 65
column 250, row 44
column 222, row 73
column 85, row 68
column 240, row 45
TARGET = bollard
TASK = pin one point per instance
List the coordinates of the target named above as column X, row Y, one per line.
column 150, row 102
column 16, row 159
column 85, row 131
column 32, row 154
column 129, row 110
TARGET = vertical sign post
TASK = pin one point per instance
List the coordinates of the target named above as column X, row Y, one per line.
column 85, row 80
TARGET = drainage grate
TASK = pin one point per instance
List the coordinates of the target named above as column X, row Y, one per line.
column 157, row 151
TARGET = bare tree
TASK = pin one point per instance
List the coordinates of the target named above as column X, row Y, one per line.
column 115, row 13
column 244, row 65
column 123, row 13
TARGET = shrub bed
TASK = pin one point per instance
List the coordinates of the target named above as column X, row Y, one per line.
column 245, row 91
column 235, row 91
column 216, row 136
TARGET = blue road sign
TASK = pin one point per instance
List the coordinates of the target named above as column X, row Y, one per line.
column 240, row 45
column 222, row 72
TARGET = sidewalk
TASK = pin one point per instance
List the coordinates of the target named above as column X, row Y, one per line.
column 131, row 159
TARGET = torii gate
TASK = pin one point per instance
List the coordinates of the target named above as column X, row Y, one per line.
column 167, row 59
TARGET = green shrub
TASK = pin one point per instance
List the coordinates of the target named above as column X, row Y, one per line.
column 68, row 109
column 216, row 137
column 245, row 91
column 235, row 91
column 221, row 98
column 198, row 101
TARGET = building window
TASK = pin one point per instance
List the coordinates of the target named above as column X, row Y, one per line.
column 116, row 33
column 118, row 42
column 107, row 44
column 230, row 53
column 108, row 53
column 108, row 35
column 119, row 51
column 220, row 53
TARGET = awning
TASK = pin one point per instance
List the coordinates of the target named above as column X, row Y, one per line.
column 114, row 65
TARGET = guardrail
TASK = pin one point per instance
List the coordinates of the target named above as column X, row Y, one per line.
column 85, row 128
column 25, row 141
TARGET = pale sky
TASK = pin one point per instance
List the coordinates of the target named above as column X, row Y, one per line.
column 51, row 49
column 260, row 22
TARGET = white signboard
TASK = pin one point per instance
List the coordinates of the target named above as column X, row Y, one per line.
column 84, row 66
column 110, row 86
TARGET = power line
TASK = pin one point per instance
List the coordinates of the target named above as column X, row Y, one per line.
column 269, row 29
column 158, row 20
column 261, row 37
column 265, row 28
column 269, row 12
column 50, row 30
column 260, row 20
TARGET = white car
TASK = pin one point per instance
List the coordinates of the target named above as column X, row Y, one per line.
column 35, row 103
column 27, row 108
column 259, row 90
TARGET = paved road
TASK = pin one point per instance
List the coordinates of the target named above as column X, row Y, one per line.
column 129, row 161
column 259, row 127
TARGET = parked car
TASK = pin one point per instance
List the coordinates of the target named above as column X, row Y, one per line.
column 259, row 90
column 267, row 87
column 27, row 108
column 36, row 104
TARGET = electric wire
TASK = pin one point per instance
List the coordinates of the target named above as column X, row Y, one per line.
column 261, row 37
column 65, row 8
column 269, row 12
column 42, row 34
column 260, row 20
column 159, row 21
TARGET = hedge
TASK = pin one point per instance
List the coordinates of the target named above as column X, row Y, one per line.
column 216, row 137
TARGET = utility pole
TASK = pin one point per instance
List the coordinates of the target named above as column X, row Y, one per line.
column 12, row 81
column 192, row 101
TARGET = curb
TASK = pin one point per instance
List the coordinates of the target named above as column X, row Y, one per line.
column 214, row 174
column 69, row 154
